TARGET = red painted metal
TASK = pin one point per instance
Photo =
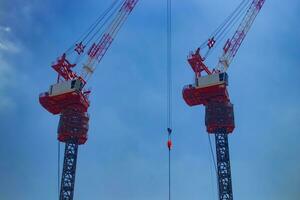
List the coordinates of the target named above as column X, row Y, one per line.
column 197, row 63
column 219, row 116
column 219, row 110
column 56, row 104
column 194, row 96
column 232, row 46
column 98, row 50
column 63, row 68
column 73, row 106
column 169, row 144
column 73, row 124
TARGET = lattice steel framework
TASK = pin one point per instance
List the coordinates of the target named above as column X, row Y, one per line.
column 223, row 165
column 69, row 171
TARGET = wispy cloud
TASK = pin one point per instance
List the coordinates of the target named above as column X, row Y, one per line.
column 8, row 46
column 15, row 20
column 5, row 28
column 7, row 80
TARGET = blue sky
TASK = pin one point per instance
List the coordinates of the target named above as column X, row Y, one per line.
column 126, row 155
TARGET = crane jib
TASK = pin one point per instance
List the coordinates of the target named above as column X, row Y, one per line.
column 98, row 50
column 112, row 20
column 232, row 46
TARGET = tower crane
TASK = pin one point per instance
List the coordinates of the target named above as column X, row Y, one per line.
column 210, row 90
column 69, row 98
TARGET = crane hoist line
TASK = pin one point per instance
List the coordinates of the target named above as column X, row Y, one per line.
column 68, row 97
column 210, row 90
column 169, row 89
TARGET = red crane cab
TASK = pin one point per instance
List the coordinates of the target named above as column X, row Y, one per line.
column 62, row 94
column 67, row 99
column 206, row 88
column 211, row 91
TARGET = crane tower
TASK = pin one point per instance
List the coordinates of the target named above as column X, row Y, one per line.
column 210, row 90
column 69, row 98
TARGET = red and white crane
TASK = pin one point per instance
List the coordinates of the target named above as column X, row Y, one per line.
column 69, row 97
column 211, row 90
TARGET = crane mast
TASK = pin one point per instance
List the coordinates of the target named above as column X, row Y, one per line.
column 211, row 91
column 69, row 98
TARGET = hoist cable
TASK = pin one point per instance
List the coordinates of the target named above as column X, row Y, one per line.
column 169, row 88
column 234, row 15
column 236, row 20
column 92, row 28
column 169, row 174
column 110, row 34
column 212, row 177
column 233, row 23
column 105, row 23
column 99, row 29
column 58, row 168
column 226, row 25
column 169, row 65
column 228, row 20
column 86, row 34
column 106, row 20
column 229, row 26
column 212, row 155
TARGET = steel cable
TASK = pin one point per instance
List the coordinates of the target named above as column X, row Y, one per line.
column 169, row 88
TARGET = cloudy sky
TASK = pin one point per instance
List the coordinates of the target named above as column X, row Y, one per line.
column 126, row 155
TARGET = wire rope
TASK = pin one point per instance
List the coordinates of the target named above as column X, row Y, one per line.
column 89, row 31
column 169, row 89
column 58, row 168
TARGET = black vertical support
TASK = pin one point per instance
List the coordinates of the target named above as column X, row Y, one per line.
column 223, row 165
column 68, row 173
